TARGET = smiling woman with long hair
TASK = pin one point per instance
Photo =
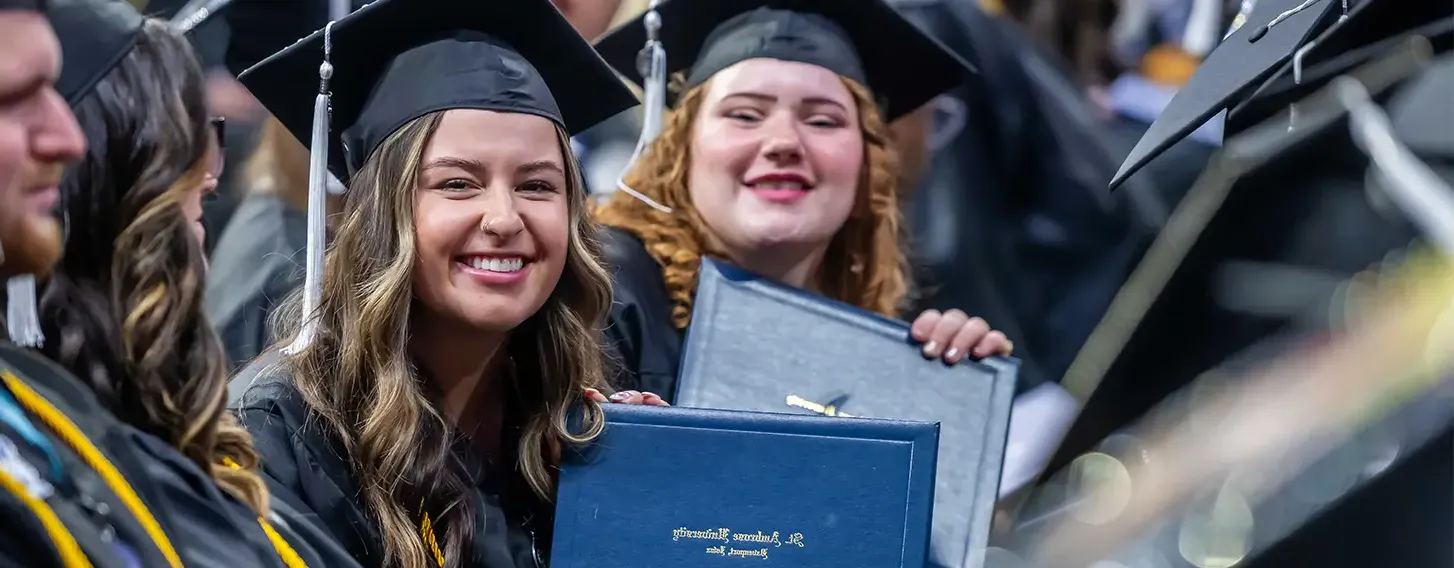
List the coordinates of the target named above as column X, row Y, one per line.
column 123, row 309
column 419, row 409
column 777, row 157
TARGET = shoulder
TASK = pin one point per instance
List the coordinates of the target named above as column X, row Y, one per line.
column 56, row 384
column 266, row 383
column 626, row 253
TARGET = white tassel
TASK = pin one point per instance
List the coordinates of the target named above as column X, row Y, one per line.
column 653, row 63
column 317, row 205
column 22, row 316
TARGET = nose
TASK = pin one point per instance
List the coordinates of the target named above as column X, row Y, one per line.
column 57, row 137
column 783, row 143
column 498, row 217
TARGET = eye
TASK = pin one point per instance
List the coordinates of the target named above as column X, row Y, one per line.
column 456, row 184
column 826, row 121
column 537, row 186
column 747, row 116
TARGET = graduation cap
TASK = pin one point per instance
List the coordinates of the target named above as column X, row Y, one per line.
column 864, row 40
column 1372, row 28
column 394, row 61
column 95, row 35
column 1261, row 249
column 1271, row 34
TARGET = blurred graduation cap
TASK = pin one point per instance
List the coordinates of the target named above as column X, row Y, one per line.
column 1371, row 28
column 1271, row 34
column 1286, row 205
column 1274, row 204
column 94, row 35
column 864, row 40
column 393, row 61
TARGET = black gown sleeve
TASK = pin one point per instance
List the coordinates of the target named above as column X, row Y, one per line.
column 307, row 476
column 643, row 347
column 207, row 527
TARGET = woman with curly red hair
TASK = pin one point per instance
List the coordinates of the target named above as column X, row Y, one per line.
column 777, row 157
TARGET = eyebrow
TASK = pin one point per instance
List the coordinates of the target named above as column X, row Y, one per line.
column 770, row 98
column 474, row 166
column 540, row 166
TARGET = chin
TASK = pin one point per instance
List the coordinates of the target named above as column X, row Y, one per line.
column 34, row 249
column 775, row 235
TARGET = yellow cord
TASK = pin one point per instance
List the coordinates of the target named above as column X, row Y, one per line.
column 426, row 532
column 285, row 551
column 72, row 436
column 60, row 536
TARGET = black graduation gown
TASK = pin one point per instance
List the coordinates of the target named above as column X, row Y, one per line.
column 79, row 497
column 306, row 467
column 205, row 525
column 645, row 348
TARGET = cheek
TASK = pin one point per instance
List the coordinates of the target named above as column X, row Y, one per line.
column 720, row 156
column 839, row 164
column 437, row 226
column 549, row 225
column 12, row 154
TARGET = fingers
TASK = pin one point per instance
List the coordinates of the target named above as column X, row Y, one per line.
column 942, row 335
column 994, row 343
column 627, row 397
column 969, row 337
column 923, row 326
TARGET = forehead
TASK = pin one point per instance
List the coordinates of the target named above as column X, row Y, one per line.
column 490, row 136
column 29, row 46
column 785, row 79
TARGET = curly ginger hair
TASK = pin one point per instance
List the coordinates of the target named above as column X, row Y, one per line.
column 865, row 265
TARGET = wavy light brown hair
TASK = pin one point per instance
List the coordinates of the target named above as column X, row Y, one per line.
column 865, row 264
column 358, row 378
column 123, row 310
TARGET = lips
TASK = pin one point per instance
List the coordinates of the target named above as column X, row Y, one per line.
column 780, row 182
column 43, row 200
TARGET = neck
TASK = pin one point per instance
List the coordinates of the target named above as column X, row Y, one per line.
column 465, row 367
column 793, row 265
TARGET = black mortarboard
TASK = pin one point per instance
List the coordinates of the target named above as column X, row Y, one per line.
column 1372, row 28
column 1245, row 59
column 397, row 60
column 1260, row 251
column 95, row 35
column 1275, row 218
column 863, row 40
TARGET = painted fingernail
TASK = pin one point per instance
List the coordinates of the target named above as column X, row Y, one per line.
column 952, row 355
column 620, row 396
column 930, row 348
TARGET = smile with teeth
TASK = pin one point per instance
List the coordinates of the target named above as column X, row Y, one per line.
column 779, row 185
column 495, row 264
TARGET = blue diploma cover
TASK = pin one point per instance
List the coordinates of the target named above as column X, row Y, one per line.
column 758, row 345
column 680, row 488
